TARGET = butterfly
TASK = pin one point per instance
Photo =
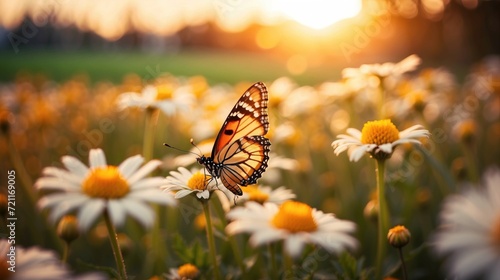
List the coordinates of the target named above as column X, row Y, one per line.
column 241, row 152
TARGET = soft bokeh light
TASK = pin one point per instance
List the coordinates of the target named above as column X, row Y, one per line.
column 113, row 19
column 317, row 14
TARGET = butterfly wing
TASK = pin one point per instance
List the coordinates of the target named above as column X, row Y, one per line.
column 243, row 162
column 247, row 118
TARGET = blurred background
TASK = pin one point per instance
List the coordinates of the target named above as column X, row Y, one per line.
column 231, row 40
column 64, row 64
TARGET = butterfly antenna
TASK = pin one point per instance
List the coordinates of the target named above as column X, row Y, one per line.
column 194, row 145
column 185, row 151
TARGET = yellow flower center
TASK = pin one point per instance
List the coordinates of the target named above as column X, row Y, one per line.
column 197, row 181
column 164, row 91
column 188, row 271
column 295, row 217
column 379, row 132
column 254, row 194
column 105, row 182
column 495, row 234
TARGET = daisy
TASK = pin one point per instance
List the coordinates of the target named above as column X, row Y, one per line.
column 262, row 194
column 469, row 233
column 378, row 138
column 293, row 222
column 31, row 262
column 163, row 97
column 184, row 272
column 388, row 69
column 185, row 182
column 118, row 190
column 35, row 263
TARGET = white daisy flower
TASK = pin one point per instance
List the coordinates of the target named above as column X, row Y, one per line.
column 293, row 222
column 378, row 138
column 263, row 194
column 35, row 263
column 32, row 262
column 183, row 272
column 388, row 69
column 185, row 182
column 119, row 190
column 168, row 100
column 469, row 233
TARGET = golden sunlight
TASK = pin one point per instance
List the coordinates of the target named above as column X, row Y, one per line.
column 318, row 14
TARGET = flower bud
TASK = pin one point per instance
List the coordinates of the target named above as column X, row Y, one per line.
column 398, row 236
column 67, row 229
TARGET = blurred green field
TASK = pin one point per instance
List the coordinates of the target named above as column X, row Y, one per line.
column 216, row 66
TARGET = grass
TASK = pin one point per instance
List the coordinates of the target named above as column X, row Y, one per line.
column 216, row 66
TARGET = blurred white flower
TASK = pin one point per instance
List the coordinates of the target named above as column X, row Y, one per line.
column 293, row 222
column 388, row 69
column 469, row 233
column 263, row 194
column 119, row 190
column 36, row 263
column 169, row 101
column 32, row 263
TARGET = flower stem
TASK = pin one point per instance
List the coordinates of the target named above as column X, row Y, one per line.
column 232, row 239
column 287, row 264
column 405, row 274
column 210, row 239
column 65, row 254
column 117, row 253
column 272, row 260
column 383, row 217
column 158, row 247
column 149, row 129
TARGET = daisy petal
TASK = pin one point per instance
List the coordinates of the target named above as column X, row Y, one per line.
column 154, row 195
column 144, row 171
column 140, row 212
column 97, row 158
column 90, row 212
column 130, row 165
column 148, row 183
column 294, row 244
column 75, row 166
column 116, row 212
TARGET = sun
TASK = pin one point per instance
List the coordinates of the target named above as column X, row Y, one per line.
column 317, row 14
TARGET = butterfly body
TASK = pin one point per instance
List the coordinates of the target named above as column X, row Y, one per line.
column 241, row 152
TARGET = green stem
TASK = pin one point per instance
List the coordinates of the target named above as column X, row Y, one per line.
column 158, row 254
column 210, row 239
column 232, row 239
column 21, row 172
column 65, row 254
column 149, row 129
column 288, row 264
column 383, row 217
column 272, row 259
column 470, row 157
column 117, row 253
column 28, row 192
column 381, row 99
column 403, row 265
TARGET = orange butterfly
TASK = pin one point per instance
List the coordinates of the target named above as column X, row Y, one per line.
column 241, row 152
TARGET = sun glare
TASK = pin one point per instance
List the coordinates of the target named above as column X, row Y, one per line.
column 318, row 14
